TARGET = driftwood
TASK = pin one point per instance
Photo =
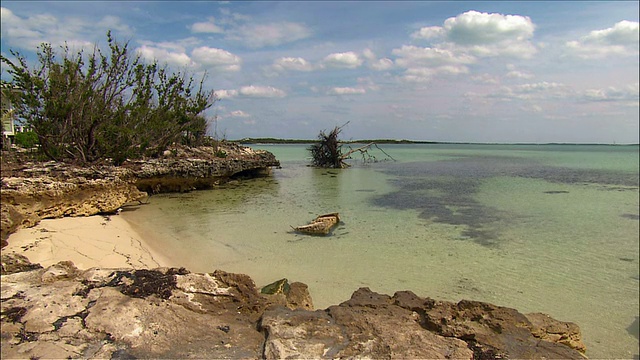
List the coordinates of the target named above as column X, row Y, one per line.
column 321, row 225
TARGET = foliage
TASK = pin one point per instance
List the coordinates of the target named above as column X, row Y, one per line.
column 85, row 108
column 27, row 139
column 327, row 152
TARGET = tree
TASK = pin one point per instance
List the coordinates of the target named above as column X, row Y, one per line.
column 88, row 108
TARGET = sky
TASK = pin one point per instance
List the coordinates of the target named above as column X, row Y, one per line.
column 488, row 72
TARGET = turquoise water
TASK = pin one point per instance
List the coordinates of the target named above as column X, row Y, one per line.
column 550, row 229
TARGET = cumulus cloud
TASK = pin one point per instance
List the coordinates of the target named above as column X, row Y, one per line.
column 424, row 74
column 539, row 90
column 347, row 60
column 627, row 93
column 621, row 39
column 519, row 74
column 375, row 63
column 273, row 34
column 261, row 92
column 239, row 113
column 428, row 32
column 412, row 56
column 423, row 63
column 218, row 59
column 484, row 35
column 476, row 28
column 165, row 54
column 207, row 27
column 292, row 64
column 29, row 32
column 346, row 91
column 226, row 94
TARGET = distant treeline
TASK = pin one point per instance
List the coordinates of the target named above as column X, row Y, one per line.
column 306, row 141
column 393, row 141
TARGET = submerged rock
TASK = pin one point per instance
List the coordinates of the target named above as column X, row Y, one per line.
column 62, row 312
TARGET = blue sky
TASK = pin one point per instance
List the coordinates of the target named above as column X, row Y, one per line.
column 442, row 71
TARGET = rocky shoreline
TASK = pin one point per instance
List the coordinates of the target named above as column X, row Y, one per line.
column 61, row 311
column 32, row 191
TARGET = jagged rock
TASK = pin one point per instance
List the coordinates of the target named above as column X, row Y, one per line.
column 293, row 296
column 62, row 312
column 14, row 263
column 547, row 328
column 185, row 169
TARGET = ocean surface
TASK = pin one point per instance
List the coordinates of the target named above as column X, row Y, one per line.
column 540, row 228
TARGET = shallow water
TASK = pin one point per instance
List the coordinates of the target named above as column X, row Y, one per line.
column 550, row 229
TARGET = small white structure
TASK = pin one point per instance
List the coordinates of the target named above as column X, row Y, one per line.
column 8, row 116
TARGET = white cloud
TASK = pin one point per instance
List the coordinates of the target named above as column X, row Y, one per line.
column 239, row 113
column 428, row 32
column 424, row 74
column 622, row 33
column 622, row 39
column 628, row 93
column 273, row 34
column 539, row 90
column 414, row 56
column 207, row 27
column 382, row 64
column 218, row 59
column 226, row 94
column 485, row 79
column 261, row 92
column 346, row 91
column 476, row 28
column 519, row 75
column 115, row 23
column 484, row 35
column 165, row 54
column 347, row 60
column 291, row 63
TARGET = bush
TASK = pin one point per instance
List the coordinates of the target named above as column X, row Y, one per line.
column 27, row 139
column 88, row 108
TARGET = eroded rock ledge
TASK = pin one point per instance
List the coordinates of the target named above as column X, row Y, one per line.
column 32, row 191
column 63, row 312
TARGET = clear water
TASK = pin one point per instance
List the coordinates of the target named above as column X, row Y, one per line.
column 550, row 229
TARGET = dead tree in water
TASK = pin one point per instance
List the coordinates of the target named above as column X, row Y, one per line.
column 327, row 152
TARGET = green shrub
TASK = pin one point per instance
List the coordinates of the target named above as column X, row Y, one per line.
column 27, row 139
column 85, row 108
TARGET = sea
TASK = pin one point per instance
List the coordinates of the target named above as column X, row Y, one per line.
column 539, row 228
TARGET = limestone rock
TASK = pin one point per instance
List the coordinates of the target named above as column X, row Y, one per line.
column 33, row 191
column 62, row 312
column 14, row 263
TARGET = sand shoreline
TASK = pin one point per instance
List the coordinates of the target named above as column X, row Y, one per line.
column 92, row 241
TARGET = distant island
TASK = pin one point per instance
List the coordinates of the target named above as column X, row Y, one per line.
column 403, row 141
column 311, row 141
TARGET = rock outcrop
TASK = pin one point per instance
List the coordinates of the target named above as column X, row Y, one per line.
column 62, row 312
column 32, row 191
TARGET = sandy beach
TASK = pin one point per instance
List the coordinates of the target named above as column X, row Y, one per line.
column 93, row 241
